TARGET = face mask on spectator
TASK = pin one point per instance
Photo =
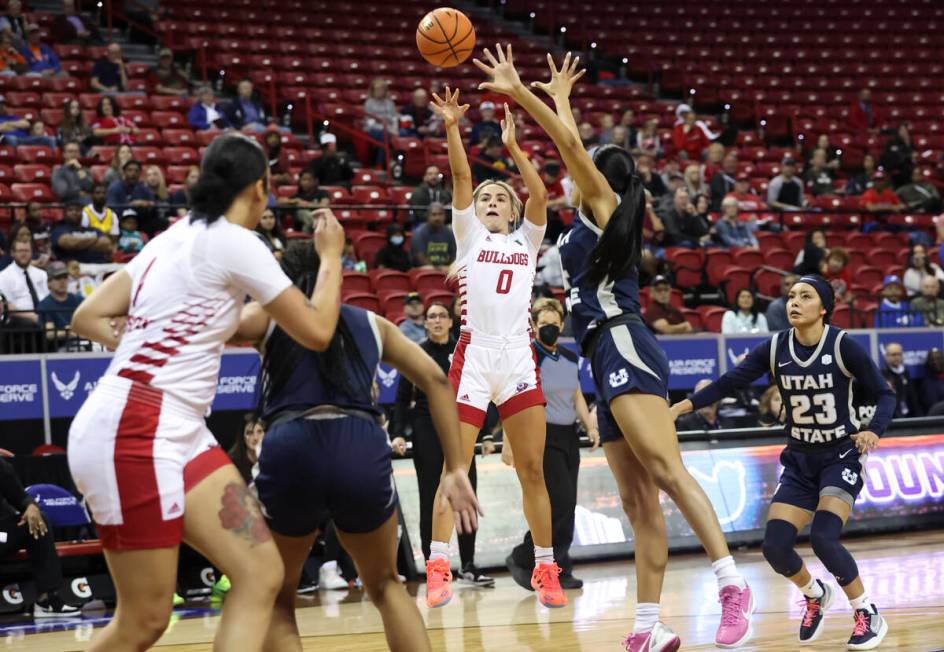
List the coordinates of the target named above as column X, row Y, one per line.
column 396, row 240
column 548, row 334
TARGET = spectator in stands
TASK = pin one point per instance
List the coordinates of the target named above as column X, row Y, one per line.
column 653, row 230
column 724, row 180
column 744, row 318
column 880, row 198
column 270, row 233
column 588, row 135
column 12, row 62
column 491, row 163
column 109, row 74
column 605, row 132
column 899, row 378
column 308, row 198
column 424, row 121
column 929, row 303
column 898, row 157
column 206, row 113
column 40, row 58
column 430, row 190
column 487, row 127
column 627, row 122
column 919, row 266
column 747, row 199
column 245, row 111
column 862, row 181
column 98, row 215
column 130, row 240
column 785, row 191
column 180, row 198
column 920, row 196
column 70, row 27
column 689, row 137
column 333, row 167
column 814, row 251
column 154, row 181
column 706, row 418
column 130, row 190
column 110, row 126
column 22, row 284
column 671, row 169
column 393, row 255
column 15, row 130
column 651, row 181
column 836, row 271
column 661, row 316
column 647, row 139
column 74, row 127
column 165, row 78
column 381, row 115
column 72, row 180
column 39, row 234
column 833, row 153
column 243, row 451
column 817, row 176
column 683, row 226
column 414, row 326
column 55, row 311
column 931, row 388
column 770, row 408
column 23, row 526
column 349, row 261
column 894, row 311
column 14, row 22
column 433, row 244
column 731, row 231
column 72, row 241
column 280, row 168
column 693, row 181
column 864, row 116
column 714, row 156
column 621, row 138
column 702, row 207
column 122, row 154
column 556, row 198
column 777, row 309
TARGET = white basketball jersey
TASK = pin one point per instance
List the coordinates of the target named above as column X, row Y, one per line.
column 496, row 274
column 188, row 287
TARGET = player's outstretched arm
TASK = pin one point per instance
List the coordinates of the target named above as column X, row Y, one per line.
column 535, row 210
column 451, row 112
column 416, row 365
column 594, row 190
column 100, row 317
column 559, row 87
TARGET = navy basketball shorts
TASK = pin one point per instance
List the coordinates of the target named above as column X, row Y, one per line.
column 627, row 358
column 808, row 476
column 340, row 467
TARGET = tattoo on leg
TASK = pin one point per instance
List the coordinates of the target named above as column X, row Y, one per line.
column 241, row 514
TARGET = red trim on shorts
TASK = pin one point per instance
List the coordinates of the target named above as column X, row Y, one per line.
column 471, row 415
column 143, row 525
column 521, row 402
column 203, row 465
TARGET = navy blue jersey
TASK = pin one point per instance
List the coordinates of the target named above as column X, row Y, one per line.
column 307, row 388
column 817, row 385
column 591, row 303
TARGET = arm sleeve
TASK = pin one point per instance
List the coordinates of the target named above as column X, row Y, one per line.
column 755, row 365
column 533, row 236
column 864, row 370
column 248, row 265
column 465, row 226
column 11, row 489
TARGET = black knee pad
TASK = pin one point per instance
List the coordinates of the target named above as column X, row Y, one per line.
column 824, row 537
column 779, row 542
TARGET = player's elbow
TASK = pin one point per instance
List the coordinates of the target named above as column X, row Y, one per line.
column 80, row 320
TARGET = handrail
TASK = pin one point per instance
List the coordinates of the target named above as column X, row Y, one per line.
column 111, row 12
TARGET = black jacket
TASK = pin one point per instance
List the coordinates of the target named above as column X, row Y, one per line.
column 409, row 394
column 237, row 117
column 13, row 499
column 906, row 394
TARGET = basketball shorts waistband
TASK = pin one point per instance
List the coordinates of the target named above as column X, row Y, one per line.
column 495, row 341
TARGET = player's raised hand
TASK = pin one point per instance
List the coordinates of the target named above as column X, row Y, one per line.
column 456, row 491
column 508, row 129
column 505, row 79
column 866, row 441
column 562, row 81
column 448, row 108
column 329, row 234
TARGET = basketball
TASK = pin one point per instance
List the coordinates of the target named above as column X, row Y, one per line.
column 445, row 37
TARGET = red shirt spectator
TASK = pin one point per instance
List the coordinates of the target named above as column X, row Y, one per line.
column 880, row 197
column 863, row 114
column 689, row 138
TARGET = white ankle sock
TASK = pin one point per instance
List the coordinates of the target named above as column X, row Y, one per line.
column 543, row 555
column 647, row 615
column 813, row 589
column 862, row 602
column 727, row 574
column 438, row 550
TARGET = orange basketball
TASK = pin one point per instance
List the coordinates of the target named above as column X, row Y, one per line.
column 445, row 37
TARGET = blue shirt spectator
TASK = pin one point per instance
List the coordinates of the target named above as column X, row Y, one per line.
column 731, row 231
column 206, row 113
column 72, row 241
column 245, row 110
column 894, row 311
column 39, row 57
column 129, row 191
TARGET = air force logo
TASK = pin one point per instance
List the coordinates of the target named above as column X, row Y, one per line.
column 619, row 378
column 66, row 390
column 387, row 377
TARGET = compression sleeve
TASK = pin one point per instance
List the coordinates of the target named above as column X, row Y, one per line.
column 861, row 367
column 755, row 365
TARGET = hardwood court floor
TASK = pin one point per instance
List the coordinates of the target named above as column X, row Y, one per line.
column 904, row 574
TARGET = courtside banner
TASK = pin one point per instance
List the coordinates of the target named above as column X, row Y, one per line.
column 21, row 394
column 690, row 360
column 70, row 380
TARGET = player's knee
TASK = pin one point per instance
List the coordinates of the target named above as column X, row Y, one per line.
column 666, row 476
column 824, row 538
column 530, row 471
column 147, row 624
column 263, row 571
column 638, row 503
column 779, row 544
column 378, row 589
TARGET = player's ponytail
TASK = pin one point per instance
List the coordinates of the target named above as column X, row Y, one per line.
column 230, row 164
column 619, row 250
